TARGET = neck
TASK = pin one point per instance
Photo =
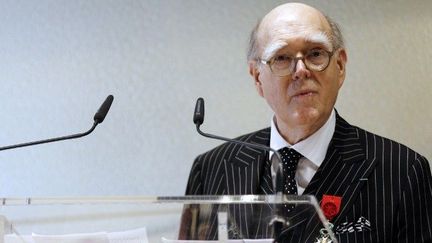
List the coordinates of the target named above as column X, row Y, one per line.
column 294, row 134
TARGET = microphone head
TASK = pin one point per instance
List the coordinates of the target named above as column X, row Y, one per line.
column 198, row 117
column 103, row 110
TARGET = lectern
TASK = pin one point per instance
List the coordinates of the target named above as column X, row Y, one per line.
column 236, row 218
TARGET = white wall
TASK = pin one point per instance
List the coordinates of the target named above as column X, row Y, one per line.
column 60, row 59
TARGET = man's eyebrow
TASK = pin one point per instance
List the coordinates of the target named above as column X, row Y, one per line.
column 321, row 38
column 272, row 48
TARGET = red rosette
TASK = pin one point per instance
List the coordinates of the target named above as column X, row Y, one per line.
column 330, row 205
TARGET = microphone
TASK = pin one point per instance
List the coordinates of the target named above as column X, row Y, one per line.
column 198, row 119
column 98, row 118
column 103, row 110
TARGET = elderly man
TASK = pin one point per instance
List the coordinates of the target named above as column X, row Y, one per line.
column 298, row 61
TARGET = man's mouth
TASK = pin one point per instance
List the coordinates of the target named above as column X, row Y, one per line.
column 304, row 93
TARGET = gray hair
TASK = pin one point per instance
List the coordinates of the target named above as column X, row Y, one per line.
column 336, row 39
column 336, row 34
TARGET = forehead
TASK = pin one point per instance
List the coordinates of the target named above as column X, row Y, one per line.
column 288, row 26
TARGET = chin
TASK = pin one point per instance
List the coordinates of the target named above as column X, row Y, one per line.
column 307, row 116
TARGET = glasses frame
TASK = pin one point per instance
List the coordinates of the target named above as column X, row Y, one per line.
column 296, row 59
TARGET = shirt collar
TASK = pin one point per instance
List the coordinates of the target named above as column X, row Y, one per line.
column 314, row 147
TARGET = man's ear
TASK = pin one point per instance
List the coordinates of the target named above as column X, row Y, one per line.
column 254, row 72
column 341, row 63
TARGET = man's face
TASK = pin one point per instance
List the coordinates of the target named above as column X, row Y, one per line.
column 304, row 99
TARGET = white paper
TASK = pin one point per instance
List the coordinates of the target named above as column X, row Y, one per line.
column 100, row 237
column 130, row 236
column 13, row 238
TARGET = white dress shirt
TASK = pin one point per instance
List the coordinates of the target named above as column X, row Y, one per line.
column 313, row 149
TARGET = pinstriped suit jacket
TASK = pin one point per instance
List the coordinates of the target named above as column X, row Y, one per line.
column 378, row 179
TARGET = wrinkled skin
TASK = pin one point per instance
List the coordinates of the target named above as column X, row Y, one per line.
column 303, row 101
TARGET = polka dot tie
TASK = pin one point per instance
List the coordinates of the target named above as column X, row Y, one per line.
column 290, row 159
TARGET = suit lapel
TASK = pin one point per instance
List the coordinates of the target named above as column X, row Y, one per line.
column 343, row 171
column 243, row 168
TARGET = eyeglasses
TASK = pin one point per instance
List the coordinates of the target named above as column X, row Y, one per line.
column 315, row 60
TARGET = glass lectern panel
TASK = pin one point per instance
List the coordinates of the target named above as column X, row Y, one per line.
column 163, row 219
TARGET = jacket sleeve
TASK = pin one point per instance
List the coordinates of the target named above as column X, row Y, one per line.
column 415, row 215
column 189, row 221
column 194, row 185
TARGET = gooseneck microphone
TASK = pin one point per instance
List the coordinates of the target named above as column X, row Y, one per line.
column 98, row 118
column 103, row 110
column 278, row 221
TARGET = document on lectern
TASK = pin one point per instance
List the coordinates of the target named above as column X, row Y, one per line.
column 100, row 237
column 138, row 235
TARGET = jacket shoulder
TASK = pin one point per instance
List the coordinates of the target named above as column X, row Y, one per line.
column 227, row 149
column 377, row 147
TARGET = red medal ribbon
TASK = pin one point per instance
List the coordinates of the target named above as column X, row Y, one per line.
column 330, row 205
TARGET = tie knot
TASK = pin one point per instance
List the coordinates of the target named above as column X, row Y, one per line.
column 289, row 156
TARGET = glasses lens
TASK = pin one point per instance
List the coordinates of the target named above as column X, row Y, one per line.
column 317, row 59
column 281, row 65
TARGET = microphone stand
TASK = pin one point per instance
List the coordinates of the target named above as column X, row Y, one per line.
column 98, row 118
column 78, row 135
column 278, row 221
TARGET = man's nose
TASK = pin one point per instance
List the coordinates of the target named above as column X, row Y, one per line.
column 300, row 70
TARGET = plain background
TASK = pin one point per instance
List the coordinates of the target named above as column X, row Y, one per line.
column 59, row 59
